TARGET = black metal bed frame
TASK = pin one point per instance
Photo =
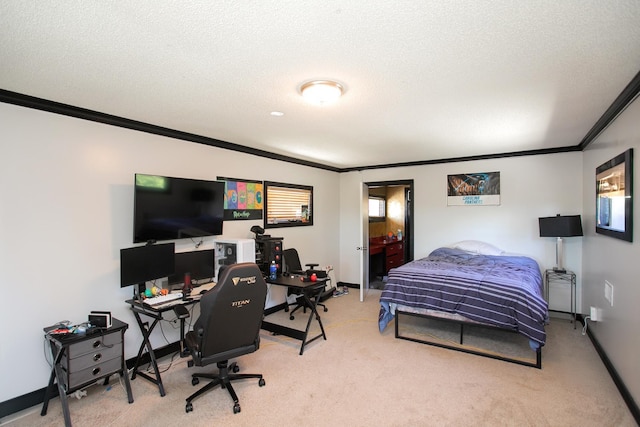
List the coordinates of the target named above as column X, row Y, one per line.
column 461, row 323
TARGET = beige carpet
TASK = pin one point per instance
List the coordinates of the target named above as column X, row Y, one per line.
column 359, row 377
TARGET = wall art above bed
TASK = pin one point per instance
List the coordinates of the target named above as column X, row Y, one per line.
column 473, row 189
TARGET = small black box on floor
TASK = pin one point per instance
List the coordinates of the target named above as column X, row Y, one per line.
column 327, row 294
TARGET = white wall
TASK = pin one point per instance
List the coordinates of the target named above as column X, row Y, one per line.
column 66, row 207
column 614, row 260
column 66, row 203
column 531, row 187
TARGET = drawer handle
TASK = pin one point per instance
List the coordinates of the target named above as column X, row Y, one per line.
column 97, row 357
column 97, row 343
column 96, row 371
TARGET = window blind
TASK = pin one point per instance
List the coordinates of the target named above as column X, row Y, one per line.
column 288, row 204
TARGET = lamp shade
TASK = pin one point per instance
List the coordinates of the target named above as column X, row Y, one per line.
column 560, row 226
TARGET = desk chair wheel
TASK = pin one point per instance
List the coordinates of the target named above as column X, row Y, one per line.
column 236, row 408
column 194, row 382
column 188, row 408
column 291, row 317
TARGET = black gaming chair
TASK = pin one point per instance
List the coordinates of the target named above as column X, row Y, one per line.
column 293, row 266
column 229, row 326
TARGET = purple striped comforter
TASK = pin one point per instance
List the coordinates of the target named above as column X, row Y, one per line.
column 504, row 291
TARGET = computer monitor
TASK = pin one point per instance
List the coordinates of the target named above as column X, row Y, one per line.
column 140, row 264
column 199, row 264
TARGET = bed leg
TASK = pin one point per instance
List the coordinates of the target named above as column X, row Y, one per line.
column 397, row 320
column 461, row 333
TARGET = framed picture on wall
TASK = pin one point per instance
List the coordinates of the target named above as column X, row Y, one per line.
column 287, row 205
column 243, row 199
column 614, row 197
column 473, row 189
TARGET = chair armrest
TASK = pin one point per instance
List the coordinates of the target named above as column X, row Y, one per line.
column 180, row 311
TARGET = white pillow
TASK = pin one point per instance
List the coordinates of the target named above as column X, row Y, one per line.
column 477, row 247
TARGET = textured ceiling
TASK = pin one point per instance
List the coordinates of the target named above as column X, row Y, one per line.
column 425, row 80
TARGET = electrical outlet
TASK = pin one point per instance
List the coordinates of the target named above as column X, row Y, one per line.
column 608, row 292
column 594, row 314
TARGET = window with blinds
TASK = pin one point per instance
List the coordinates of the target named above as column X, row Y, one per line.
column 288, row 205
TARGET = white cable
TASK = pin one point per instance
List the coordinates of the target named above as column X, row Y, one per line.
column 584, row 328
column 48, row 352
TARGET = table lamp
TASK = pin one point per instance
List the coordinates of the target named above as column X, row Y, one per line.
column 560, row 226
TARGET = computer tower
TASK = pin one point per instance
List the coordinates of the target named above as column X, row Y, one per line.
column 268, row 249
column 233, row 251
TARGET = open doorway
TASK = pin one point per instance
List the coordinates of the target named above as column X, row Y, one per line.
column 389, row 230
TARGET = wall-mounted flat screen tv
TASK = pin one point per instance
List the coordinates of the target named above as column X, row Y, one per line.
column 167, row 208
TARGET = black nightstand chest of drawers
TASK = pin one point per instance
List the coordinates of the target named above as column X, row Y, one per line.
column 80, row 360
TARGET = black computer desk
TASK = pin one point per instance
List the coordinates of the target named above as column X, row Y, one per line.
column 305, row 288
column 156, row 313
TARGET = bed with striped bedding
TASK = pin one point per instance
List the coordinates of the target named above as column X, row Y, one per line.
column 498, row 290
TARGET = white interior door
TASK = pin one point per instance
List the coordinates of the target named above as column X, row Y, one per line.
column 364, row 241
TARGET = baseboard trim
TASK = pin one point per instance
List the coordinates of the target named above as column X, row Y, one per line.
column 36, row 397
column 23, row 402
column 622, row 388
column 349, row 285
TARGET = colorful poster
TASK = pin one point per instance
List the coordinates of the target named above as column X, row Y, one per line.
column 231, row 200
column 473, row 189
column 243, row 199
column 242, row 194
column 251, row 195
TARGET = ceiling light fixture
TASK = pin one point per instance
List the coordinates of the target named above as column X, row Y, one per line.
column 321, row 91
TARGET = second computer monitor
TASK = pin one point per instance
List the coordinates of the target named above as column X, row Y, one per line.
column 199, row 265
column 144, row 263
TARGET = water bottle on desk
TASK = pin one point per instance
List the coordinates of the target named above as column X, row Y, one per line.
column 273, row 271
